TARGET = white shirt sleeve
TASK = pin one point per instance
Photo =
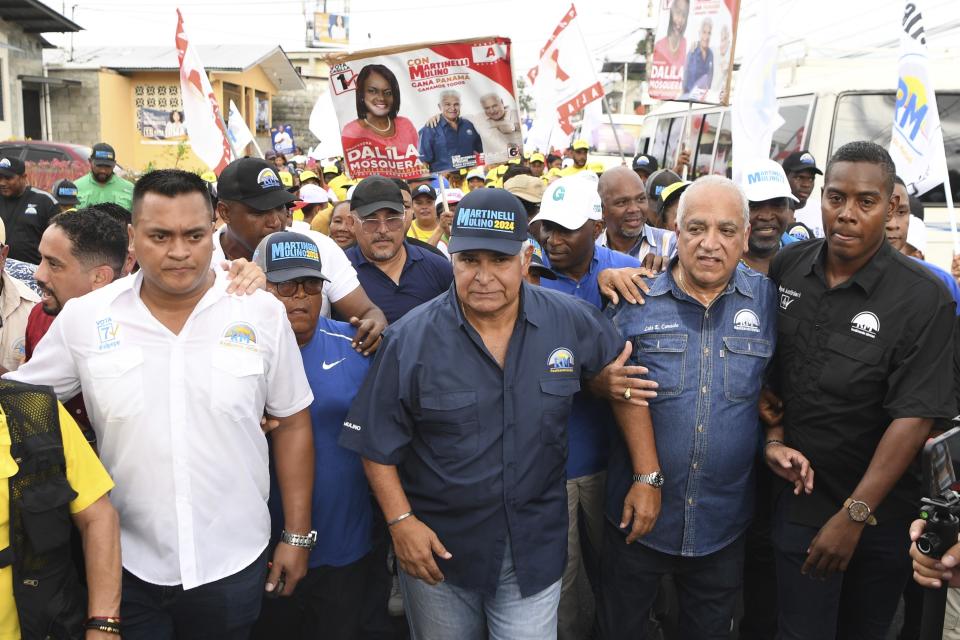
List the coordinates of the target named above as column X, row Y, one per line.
column 288, row 390
column 336, row 266
column 53, row 363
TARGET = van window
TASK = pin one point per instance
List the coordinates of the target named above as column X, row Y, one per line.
column 869, row 116
column 724, row 145
column 660, row 139
column 673, row 140
column 708, row 138
column 790, row 136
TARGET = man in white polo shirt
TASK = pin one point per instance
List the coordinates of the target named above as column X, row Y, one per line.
column 253, row 203
column 176, row 375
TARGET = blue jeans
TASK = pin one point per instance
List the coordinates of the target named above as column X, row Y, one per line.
column 858, row 604
column 630, row 576
column 446, row 612
column 222, row 610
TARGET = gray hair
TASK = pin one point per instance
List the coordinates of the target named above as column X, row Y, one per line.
column 713, row 181
column 449, row 92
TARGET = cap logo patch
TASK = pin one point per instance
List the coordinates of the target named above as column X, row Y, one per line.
column 865, row 324
column 67, row 191
column 268, row 179
column 559, row 193
column 642, row 160
column 103, row 154
column 799, row 232
column 746, row 320
column 766, row 176
column 487, row 219
column 807, row 159
column 560, row 361
column 5, row 163
column 294, row 250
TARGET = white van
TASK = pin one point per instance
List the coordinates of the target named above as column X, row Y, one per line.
column 824, row 104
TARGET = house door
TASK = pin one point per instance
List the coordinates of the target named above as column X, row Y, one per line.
column 32, row 123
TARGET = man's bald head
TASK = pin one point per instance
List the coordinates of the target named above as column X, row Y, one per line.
column 616, row 179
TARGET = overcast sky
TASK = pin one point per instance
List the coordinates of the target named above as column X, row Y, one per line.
column 611, row 27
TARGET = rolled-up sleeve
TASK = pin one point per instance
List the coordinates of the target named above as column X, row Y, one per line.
column 379, row 426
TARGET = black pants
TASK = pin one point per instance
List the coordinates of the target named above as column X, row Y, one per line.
column 326, row 604
column 856, row 605
column 759, row 620
column 630, row 577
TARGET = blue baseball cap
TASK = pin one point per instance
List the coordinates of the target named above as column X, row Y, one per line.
column 490, row 220
column 286, row 255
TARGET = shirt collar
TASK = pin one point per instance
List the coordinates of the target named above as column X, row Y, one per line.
column 869, row 275
column 594, row 261
column 646, row 234
column 665, row 282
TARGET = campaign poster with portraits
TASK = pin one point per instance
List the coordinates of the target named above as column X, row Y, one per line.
column 159, row 112
column 330, row 28
column 693, row 50
column 282, row 137
column 408, row 111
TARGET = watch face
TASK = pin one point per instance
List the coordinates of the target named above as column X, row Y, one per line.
column 657, row 480
column 859, row 512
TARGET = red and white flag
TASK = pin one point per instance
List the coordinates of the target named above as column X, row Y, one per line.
column 202, row 116
column 564, row 81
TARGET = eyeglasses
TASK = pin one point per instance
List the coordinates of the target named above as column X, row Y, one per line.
column 288, row 289
column 372, row 225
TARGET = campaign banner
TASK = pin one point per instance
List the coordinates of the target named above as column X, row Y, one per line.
column 282, row 136
column 416, row 109
column 161, row 124
column 330, row 28
column 693, row 50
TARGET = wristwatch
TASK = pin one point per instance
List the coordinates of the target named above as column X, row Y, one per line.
column 654, row 479
column 308, row 541
column 859, row 511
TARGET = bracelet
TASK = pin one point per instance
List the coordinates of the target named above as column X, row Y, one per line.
column 399, row 518
column 770, row 442
column 105, row 625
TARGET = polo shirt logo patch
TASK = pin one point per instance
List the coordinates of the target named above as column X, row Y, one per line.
column 746, row 320
column 785, row 301
column 107, row 331
column 865, row 324
column 560, row 361
column 240, row 334
column 31, row 210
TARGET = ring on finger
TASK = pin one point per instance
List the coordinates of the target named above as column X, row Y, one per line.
column 627, row 394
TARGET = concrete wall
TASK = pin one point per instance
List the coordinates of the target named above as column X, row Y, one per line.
column 20, row 55
column 294, row 107
column 75, row 111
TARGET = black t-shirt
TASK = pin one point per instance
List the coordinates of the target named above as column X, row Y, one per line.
column 852, row 359
column 25, row 219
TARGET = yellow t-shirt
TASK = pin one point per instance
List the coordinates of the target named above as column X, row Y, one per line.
column 321, row 220
column 420, row 234
column 86, row 476
column 572, row 170
column 340, row 186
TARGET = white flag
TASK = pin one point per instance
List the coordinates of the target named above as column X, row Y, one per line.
column 917, row 142
column 202, row 117
column 325, row 127
column 754, row 108
column 563, row 83
column 237, row 129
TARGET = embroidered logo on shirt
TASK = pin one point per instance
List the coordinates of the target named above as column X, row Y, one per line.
column 350, row 425
column 746, row 320
column 787, row 297
column 19, row 350
column 330, row 365
column 240, row 334
column 31, row 210
column 560, row 361
column 865, row 324
column 107, row 331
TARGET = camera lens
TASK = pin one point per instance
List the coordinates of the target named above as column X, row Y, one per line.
column 927, row 543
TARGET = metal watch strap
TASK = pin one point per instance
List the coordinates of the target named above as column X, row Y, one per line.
column 308, row 541
column 654, row 479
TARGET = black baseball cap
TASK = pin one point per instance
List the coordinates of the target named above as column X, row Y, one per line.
column 103, row 154
column 425, row 190
column 376, row 193
column 644, row 162
column 12, row 167
column 537, row 266
column 800, row 161
column 65, row 192
column 658, row 181
column 489, row 219
column 255, row 183
column 286, row 255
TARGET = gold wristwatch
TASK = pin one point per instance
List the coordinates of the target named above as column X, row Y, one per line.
column 859, row 511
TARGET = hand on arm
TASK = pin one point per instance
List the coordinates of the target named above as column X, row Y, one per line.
column 624, row 282
column 414, row 542
column 641, row 507
column 365, row 316
column 614, row 379
column 836, row 541
column 293, row 461
column 245, row 277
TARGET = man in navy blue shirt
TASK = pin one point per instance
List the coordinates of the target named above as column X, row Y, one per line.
column 706, row 333
column 396, row 275
column 463, row 433
column 451, row 136
column 333, row 590
column 570, row 222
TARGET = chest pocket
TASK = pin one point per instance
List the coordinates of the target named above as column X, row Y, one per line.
column 449, row 423
column 850, row 369
column 117, row 381
column 744, row 360
column 556, row 397
column 236, row 376
column 665, row 355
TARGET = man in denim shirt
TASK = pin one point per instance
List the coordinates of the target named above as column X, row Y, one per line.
column 706, row 333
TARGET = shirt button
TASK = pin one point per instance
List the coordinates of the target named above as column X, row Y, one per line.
column 706, row 350
column 690, row 501
column 700, row 428
column 694, row 465
column 703, row 389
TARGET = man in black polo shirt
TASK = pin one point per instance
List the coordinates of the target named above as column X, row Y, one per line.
column 462, row 424
column 25, row 211
column 864, row 367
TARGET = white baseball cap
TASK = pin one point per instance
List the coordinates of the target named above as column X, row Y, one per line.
column 571, row 202
column 765, row 180
column 476, row 172
column 313, row 194
column 917, row 234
